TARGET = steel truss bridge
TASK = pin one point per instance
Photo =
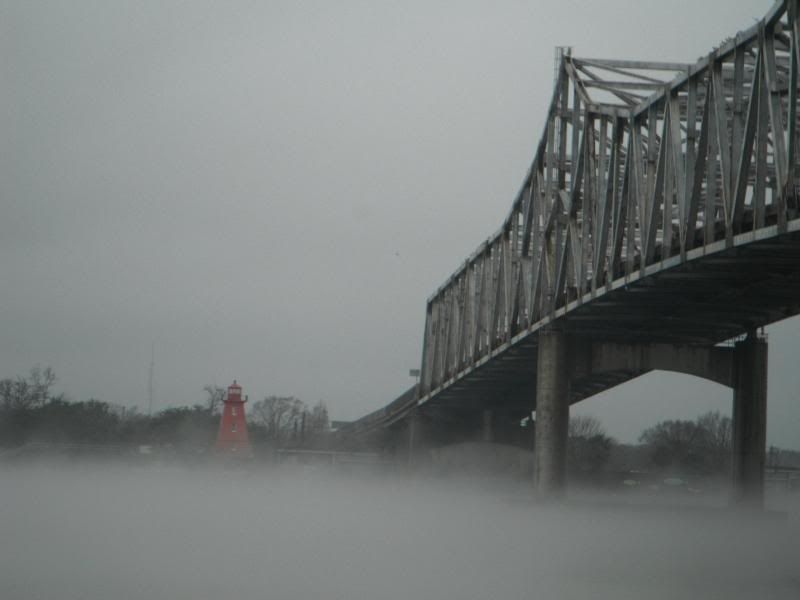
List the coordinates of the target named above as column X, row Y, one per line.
column 661, row 207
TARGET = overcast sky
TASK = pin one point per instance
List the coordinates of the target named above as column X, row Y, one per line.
column 269, row 191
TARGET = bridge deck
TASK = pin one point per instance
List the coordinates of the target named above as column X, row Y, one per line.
column 713, row 298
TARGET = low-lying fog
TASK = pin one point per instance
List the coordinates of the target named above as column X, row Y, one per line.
column 102, row 532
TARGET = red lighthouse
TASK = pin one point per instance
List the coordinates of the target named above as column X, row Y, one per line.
column 232, row 437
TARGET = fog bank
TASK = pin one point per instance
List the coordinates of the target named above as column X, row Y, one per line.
column 102, row 532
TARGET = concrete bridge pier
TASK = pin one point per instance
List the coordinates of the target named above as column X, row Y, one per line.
column 414, row 435
column 749, row 421
column 552, row 415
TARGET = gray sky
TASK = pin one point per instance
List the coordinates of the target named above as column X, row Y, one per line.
column 269, row 191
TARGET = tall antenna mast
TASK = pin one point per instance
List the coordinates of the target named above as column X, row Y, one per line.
column 150, row 380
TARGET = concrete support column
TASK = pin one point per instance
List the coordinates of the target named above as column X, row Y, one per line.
column 487, row 426
column 416, row 437
column 552, row 414
column 749, row 421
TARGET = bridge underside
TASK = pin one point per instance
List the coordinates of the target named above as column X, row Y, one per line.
column 706, row 301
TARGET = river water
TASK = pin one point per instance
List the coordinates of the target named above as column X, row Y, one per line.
column 101, row 532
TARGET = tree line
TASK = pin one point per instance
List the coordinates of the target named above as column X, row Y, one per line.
column 31, row 413
column 698, row 447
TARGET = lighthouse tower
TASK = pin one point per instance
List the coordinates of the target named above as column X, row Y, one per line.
column 232, row 437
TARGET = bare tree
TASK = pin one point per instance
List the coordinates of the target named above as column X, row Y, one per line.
column 702, row 445
column 318, row 421
column 24, row 393
column 215, row 396
column 281, row 416
column 719, row 430
column 589, row 448
column 584, row 427
column 719, row 439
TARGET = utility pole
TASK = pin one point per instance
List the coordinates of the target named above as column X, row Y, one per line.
column 150, row 380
